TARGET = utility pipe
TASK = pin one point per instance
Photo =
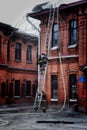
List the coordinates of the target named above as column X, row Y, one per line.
column 27, row 17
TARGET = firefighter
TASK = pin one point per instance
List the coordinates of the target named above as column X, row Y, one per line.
column 42, row 61
column 43, row 103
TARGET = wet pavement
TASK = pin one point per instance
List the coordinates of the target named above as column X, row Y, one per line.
column 22, row 118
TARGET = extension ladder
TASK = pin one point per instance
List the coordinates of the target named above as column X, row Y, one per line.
column 42, row 77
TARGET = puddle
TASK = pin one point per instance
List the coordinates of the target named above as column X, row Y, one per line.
column 63, row 122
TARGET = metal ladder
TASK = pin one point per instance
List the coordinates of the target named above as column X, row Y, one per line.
column 42, row 77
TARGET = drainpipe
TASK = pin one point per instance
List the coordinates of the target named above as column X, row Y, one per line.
column 27, row 17
column 86, row 64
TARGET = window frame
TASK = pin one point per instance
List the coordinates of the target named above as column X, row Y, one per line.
column 0, row 45
column 11, row 86
column 73, row 36
column 17, row 89
column 18, row 52
column 28, row 87
column 29, row 54
column 54, row 34
column 72, row 87
column 52, row 88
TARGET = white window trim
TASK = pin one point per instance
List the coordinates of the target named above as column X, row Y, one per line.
column 72, row 46
column 73, row 100
column 54, row 48
column 16, row 96
column 55, row 100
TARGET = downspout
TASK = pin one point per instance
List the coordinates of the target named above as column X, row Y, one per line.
column 86, row 64
column 27, row 17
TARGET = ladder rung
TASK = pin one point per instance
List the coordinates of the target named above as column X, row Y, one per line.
column 42, row 78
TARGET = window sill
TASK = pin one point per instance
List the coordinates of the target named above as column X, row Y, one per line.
column 16, row 96
column 18, row 60
column 73, row 100
column 29, row 62
column 28, row 96
column 72, row 46
column 54, row 100
column 54, row 48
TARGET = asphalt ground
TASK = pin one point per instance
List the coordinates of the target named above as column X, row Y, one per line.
column 23, row 118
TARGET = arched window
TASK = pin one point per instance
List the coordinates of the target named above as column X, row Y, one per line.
column 72, row 32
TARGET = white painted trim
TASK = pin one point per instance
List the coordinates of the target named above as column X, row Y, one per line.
column 68, row 56
column 54, row 99
column 73, row 100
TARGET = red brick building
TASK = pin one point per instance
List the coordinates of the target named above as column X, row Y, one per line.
column 67, row 65
column 18, row 67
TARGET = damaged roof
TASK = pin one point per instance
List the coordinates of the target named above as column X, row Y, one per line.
column 41, row 8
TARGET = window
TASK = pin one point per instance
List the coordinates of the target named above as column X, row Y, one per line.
column 8, row 51
column 7, row 87
column 0, row 45
column 18, row 51
column 3, row 89
column 28, row 88
column 54, row 87
column 23, row 90
column 55, row 36
column 11, row 89
column 34, row 89
column 72, row 32
column 28, row 53
column 73, row 90
column 17, row 87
